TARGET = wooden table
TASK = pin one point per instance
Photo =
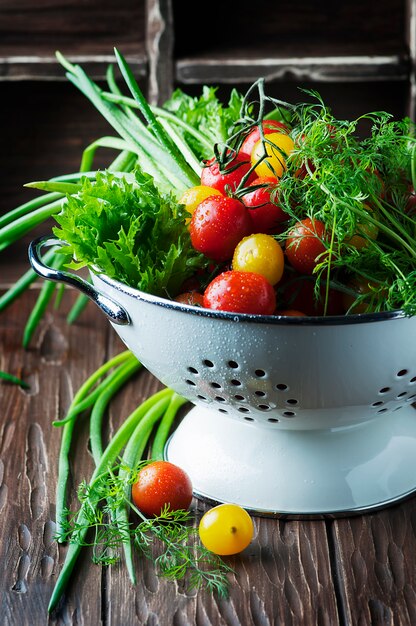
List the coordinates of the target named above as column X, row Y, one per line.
column 357, row 571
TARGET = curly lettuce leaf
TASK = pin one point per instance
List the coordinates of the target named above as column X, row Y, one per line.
column 130, row 231
column 207, row 114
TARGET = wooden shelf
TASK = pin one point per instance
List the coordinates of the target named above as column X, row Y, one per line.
column 85, row 32
column 41, row 68
column 246, row 69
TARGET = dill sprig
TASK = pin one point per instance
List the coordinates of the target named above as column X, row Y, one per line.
column 356, row 177
column 170, row 540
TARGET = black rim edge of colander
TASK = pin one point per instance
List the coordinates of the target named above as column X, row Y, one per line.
column 324, row 515
column 306, row 320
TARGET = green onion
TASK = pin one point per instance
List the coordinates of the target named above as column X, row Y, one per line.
column 109, row 456
column 101, row 403
column 23, row 283
column 42, row 302
column 14, row 380
column 67, row 432
column 132, row 456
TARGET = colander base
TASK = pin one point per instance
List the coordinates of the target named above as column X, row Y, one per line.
column 296, row 473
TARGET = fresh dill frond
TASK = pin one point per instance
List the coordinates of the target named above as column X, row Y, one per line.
column 169, row 540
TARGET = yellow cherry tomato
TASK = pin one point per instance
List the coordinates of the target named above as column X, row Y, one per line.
column 262, row 254
column 194, row 196
column 226, row 529
column 275, row 147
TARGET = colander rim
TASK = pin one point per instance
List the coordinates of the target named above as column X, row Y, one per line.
column 317, row 320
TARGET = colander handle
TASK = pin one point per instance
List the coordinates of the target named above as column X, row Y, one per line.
column 111, row 309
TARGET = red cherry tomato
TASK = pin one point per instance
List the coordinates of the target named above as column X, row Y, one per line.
column 161, row 484
column 262, row 203
column 230, row 177
column 193, row 298
column 240, row 292
column 217, row 225
column 304, row 245
column 269, row 126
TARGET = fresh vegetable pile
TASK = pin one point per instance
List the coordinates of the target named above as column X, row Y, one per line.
column 254, row 206
column 295, row 215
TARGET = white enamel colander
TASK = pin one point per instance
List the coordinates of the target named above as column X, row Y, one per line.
column 307, row 416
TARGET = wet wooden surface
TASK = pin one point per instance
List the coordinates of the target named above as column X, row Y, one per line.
column 356, row 571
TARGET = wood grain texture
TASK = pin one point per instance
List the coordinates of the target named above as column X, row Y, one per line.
column 88, row 27
column 160, row 37
column 358, row 571
column 376, row 566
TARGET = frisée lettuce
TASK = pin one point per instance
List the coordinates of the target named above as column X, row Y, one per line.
column 130, row 231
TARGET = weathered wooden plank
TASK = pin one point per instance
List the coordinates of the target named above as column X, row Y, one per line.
column 87, row 28
column 46, row 68
column 283, row 577
column 376, row 566
column 159, row 46
column 243, row 69
column 54, row 367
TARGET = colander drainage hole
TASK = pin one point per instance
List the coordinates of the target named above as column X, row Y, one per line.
column 413, row 380
column 243, row 409
column 402, row 373
column 382, row 410
column 192, row 370
column 291, row 401
column 249, row 419
column 208, row 363
column 190, row 382
column 260, row 394
column 260, row 373
column 215, row 385
column 264, row 407
column 201, row 397
column 236, row 383
column 378, row 403
column 281, row 387
column 219, row 399
column 238, row 397
column 233, row 364
column 400, row 395
column 384, row 389
column 273, row 420
column 289, row 413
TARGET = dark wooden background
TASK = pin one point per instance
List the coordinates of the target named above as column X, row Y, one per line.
column 361, row 57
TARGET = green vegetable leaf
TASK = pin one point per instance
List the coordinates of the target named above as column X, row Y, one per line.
column 207, row 114
column 130, row 231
